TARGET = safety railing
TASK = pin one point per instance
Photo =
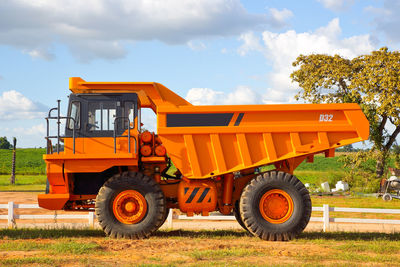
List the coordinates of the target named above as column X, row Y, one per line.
column 115, row 135
column 49, row 147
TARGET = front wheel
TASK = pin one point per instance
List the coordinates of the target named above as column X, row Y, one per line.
column 275, row 206
column 130, row 205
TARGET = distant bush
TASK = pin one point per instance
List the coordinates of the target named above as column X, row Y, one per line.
column 4, row 144
column 360, row 171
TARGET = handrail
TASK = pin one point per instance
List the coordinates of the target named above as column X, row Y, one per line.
column 58, row 134
column 58, row 118
column 129, row 135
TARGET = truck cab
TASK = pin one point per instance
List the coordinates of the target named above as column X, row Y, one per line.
column 101, row 139
column 110, row 117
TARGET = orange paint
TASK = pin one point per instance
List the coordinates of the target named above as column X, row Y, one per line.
column 145, row 150
column 160, row 151
column 197, row 196
column 276, row 206
column 146, row 137
column 227, row 194
column 129, row 207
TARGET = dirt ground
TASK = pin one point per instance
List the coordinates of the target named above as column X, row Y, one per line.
column 31, row 197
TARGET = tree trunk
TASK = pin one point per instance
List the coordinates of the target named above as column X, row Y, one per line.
column 381, row 163
column 380, row 167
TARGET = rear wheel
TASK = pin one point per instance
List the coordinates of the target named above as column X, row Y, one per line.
column 275, row 206
column 165, row 216
column 236, row 213
column 130, row 205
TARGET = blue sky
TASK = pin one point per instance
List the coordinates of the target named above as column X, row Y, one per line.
column 210, row 52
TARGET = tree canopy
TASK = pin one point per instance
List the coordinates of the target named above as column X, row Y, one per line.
column 371, row 80
column 4, row 144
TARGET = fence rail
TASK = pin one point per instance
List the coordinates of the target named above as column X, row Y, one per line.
column 11, row 216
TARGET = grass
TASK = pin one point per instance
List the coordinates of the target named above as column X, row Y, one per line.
column 37, row 233
column 23, row 180
column 28, row 161
column 196, row 248
column 23, row 183
column 55, row 248
column 355, row 202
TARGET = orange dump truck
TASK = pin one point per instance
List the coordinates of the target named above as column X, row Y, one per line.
column 231, row 159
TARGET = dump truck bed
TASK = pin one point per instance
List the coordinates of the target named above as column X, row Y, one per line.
column 206, row 141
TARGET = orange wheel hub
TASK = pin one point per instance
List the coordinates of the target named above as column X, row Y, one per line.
column 129, row 207
column 276, row 206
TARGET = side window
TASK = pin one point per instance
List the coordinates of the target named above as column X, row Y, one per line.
column 101, row 116
column 75, row 113
column 128, row 114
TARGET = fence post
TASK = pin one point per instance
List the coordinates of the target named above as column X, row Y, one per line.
column 91, row 219
column 10, row 218
column 169, row 219
column 326, row 217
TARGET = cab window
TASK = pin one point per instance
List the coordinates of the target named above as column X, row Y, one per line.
column 75, row 114
column 101, row 116
column 128, row 112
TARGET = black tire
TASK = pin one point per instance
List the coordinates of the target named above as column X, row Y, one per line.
column 236, row 213
column 165, row 217
column 152, row 194
column 251, row 214
column 387, row 197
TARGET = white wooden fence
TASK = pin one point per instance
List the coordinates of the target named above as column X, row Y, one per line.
column 11, row 216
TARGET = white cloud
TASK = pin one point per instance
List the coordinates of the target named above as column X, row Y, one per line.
column 30, row 135
column 242, row 95
column 102, row 28
column 281, row 49
column 204, row 96
column 196, row 45
column 38, row 130
column 337, row 5
column 250, row 42
column 386, row 20
column 278, row 18
column 15, row 106
column 40, row 54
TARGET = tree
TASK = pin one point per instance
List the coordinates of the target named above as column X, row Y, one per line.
column 348, row 148
column 396, row 152
column 371, row 80
column 4, row 144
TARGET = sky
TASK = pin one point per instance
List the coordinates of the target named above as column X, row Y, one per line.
column 208, row 51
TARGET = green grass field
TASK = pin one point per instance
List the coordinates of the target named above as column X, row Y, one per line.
column 28, row 161
column 23, row 183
